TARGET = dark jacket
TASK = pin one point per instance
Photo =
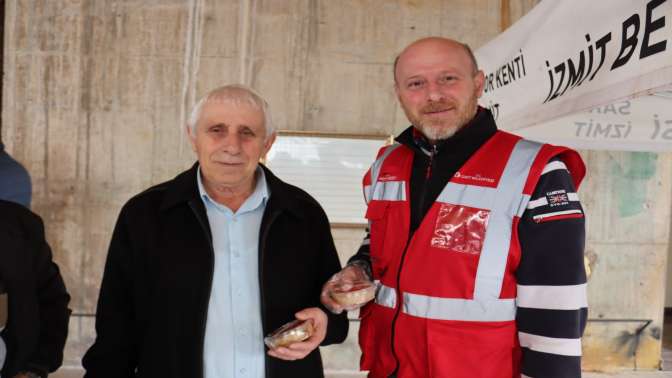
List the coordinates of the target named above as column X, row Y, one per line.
column 37, row 325
column 156, row 286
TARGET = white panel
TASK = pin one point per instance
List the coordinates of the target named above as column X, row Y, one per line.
column 328, row 168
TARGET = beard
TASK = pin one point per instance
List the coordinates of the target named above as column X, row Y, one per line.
column 442, row 127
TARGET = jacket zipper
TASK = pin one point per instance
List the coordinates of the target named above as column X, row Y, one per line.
column 432, row 153
column 262, row 249
column 428, row 175
column 211, row 273
column 400, row 302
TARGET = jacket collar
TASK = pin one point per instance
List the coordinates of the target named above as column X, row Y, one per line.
column 184, row 189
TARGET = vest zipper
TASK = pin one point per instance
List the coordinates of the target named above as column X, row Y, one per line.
column 211, row 273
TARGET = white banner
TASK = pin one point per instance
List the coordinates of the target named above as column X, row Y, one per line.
column 565, row 57
column 640, row 124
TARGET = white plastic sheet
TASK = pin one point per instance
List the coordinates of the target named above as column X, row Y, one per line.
column 568, row 57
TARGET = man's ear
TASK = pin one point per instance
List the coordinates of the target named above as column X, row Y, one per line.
column 269, row 142
column 191, row 135
column 479, row 80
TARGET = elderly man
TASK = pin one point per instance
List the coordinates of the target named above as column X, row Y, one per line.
column 476, row 237
column 34, row 310
column 201, row 267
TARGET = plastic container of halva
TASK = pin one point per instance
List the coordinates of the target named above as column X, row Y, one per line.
column 292, row 332
column 355, row 294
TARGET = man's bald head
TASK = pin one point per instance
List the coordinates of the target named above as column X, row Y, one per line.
column 438, row 85
column 435, row 41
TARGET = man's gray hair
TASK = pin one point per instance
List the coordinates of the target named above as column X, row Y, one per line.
column 237, row 94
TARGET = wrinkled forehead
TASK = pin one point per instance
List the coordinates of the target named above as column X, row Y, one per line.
column 224, row 108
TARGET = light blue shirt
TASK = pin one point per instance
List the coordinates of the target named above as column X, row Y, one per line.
column 234, row 345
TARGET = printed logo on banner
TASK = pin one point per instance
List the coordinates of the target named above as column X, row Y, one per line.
column 505, row 74
column 460, row 229
column 571, row 73
column 555, row 61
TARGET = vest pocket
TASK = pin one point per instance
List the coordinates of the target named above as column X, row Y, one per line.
column 374, row 340
column 472, row 350
column 376, row 210
column 376, row 213
column 365, row 337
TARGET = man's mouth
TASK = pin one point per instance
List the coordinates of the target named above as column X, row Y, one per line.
column 437, row 109
column 229, row 164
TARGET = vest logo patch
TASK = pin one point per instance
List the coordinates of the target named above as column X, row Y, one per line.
column 477, row 177
column 387, row 177
column 557, row 198
column 460, row 229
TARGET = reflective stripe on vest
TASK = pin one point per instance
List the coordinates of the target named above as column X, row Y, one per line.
column 388, row 190
column 503, row 202
column 424, row 306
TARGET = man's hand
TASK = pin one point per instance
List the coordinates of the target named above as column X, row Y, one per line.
column 297, row 351
column 351, row 273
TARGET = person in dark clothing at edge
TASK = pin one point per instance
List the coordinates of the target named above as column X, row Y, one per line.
column 34, row 310
column 15, row 185
column 475, row 237
column 200, row 268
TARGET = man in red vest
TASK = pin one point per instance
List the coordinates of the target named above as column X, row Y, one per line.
column 475, row 237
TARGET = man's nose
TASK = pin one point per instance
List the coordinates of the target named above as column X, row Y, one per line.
column 231, row 143
column 435, row 92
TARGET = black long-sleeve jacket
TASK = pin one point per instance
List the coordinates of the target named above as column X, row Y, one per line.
column 153, row 302
column 38, row 314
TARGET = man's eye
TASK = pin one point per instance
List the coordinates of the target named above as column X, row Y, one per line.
column 216, row 129
column 415, row 84
column 247, row 132
column 447, row 78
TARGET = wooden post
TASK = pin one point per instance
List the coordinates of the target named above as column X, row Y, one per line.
column 505, row 15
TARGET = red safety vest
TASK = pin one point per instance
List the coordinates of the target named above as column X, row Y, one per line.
column 446, row 301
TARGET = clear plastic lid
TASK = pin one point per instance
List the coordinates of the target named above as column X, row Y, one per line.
column 353, row 294
column 292, row 332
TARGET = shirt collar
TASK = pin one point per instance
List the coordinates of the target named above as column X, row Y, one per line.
column 257, row 199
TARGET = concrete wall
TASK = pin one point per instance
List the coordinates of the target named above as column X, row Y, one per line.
column 95, row 95
column 627, row 200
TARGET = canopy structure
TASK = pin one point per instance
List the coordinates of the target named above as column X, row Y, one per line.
column 594, row 75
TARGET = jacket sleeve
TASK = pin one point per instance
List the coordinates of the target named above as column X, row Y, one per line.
column 114, row 352
column 54, row 313
column 363, row 255
column 551, row 299
column 337, row 326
